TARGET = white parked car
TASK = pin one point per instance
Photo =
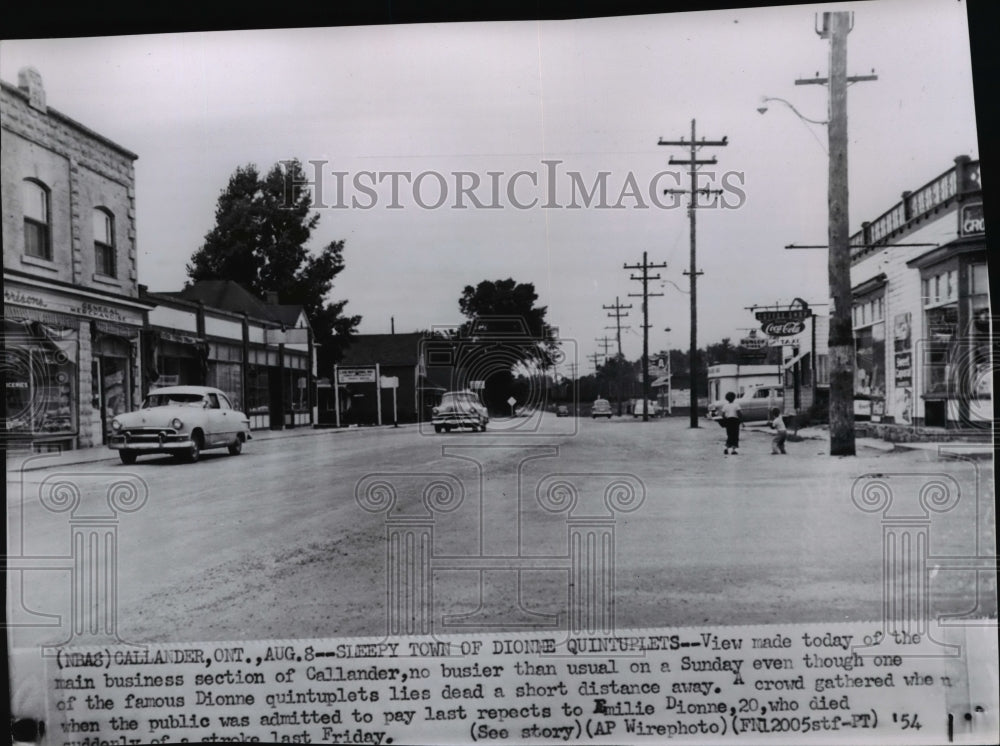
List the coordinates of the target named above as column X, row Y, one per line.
column 182, row 421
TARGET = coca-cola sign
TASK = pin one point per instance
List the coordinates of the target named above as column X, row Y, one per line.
column 783, row 328
column 784, row 322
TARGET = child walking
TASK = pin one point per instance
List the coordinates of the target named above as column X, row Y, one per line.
column 780, row 432
column 732, row 418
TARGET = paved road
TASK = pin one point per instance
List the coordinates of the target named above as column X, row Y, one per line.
column 273, row 543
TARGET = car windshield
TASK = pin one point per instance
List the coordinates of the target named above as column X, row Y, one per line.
column 173, row 400
column 458, row 399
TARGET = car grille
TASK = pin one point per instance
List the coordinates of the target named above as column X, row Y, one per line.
column 146, row 434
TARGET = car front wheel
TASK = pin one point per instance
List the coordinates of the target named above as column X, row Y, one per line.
column 193, row 453
column 128, row 457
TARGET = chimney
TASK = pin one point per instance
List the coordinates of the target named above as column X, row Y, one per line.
column 271, row 298
column 29, row 80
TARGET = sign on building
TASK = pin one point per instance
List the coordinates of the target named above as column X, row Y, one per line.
column 972, row 220
column 785, row 322
column 355, row 375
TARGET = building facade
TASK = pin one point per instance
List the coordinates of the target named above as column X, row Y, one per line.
column 72, row 312
column 369, row 361
column 921, row 308
column 216, row 333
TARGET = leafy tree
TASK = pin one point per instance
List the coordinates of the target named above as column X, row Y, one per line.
column 262, row 226
column 505, row 334
column 495, row 303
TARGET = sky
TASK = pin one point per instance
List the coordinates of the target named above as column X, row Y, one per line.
column 530, row 111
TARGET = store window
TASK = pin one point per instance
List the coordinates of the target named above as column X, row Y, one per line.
column 939, row 291
column 869, row 361
column 40, row 379
column 37, row 227
column 225, row 369
column 258, row 394
column 104, row 243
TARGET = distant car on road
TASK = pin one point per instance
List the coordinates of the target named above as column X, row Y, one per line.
column 459, row 409
column 601, row 408
column 562, row 411
column 182, row 421
column 755, row 404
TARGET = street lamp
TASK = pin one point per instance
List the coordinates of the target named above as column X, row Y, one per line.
column 763, row 109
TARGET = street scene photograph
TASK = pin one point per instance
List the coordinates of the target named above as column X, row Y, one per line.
column 543, row 327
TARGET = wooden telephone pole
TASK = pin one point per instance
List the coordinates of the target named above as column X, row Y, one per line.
column 693, row 162
column 644, row 278
column 836, row 27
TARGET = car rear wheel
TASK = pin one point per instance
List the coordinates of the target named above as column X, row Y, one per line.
column 438, row 428
column 128, row 457
column 236, row 448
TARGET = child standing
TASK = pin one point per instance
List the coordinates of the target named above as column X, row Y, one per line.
column 732, row 418
column 780, row 432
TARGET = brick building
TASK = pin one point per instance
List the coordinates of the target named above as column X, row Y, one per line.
column 72, row 311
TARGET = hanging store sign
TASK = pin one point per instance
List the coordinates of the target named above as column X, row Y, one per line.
column 783, row 328
column 785, row 322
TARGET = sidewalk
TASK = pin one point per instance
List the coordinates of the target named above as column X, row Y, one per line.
column 942, row 450
column 18, row 461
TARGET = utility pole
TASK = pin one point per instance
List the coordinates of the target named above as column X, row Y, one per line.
column 646, row 295
column 594, row 358
column 693, row 272
column 618, row 316
column 605, row 343
column 836, row 27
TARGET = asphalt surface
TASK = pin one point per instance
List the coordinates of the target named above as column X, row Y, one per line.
column 273, row 543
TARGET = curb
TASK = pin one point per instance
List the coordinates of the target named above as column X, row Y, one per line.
column 38, row 461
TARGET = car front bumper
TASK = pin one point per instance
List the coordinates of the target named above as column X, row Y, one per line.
column 162, row 441
column 459, row 421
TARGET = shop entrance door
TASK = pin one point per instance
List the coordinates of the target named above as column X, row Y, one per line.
column 110, row 386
